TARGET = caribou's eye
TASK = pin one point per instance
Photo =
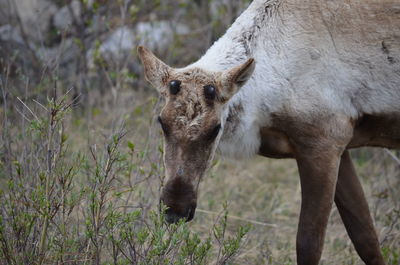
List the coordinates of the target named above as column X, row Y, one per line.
column 174, row 87
column 209, row 92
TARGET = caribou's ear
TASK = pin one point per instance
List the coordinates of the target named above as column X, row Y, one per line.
column 155, row 70
column 235, row 78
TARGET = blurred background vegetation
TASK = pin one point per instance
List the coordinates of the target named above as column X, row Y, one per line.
column 80, row 158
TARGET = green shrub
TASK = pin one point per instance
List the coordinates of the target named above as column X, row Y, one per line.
column 64, row 206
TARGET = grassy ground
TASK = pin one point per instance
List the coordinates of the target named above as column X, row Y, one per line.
column 85, row 193
column 268, row 191
column 81, row 168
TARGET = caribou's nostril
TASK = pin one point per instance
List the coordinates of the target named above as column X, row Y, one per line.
column 190, row 214
column 160, row 205
column 173, row 217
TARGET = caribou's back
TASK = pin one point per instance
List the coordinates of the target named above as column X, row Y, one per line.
column 342, row 56
column 347, row 50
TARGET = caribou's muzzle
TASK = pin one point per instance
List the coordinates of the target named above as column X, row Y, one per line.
column 172, row 216
column 180, row 199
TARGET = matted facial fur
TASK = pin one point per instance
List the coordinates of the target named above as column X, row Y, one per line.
column 189, row 115
column 191, row 122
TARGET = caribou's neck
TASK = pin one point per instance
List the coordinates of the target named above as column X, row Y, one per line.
column 239, row 42
column 241, row 120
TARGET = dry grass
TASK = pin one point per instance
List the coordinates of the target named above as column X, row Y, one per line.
column 264, row 193
column 267, row 190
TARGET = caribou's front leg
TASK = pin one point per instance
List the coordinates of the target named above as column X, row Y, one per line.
column 353, row 209
column 318, row 168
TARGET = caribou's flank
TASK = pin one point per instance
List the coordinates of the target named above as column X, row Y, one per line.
column 325, row 78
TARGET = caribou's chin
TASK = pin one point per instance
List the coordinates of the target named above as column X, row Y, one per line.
column 179, row 197
column 173, row 217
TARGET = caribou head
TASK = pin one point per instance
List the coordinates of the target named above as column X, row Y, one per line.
column 192, row 124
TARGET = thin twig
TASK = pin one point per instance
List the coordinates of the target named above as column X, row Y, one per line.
column 239, row 218
column 26, row 106
column 23, row 116
column 37, row 102
column 390, row 153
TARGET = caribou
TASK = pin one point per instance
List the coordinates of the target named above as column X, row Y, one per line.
column 306, row 80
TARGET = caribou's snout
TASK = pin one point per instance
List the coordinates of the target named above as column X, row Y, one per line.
column 172, row 216
column 180, row 199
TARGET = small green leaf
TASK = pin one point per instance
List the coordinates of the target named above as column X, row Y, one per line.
column 131, row 146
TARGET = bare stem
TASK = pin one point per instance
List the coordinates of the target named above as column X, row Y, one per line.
column 50, row 143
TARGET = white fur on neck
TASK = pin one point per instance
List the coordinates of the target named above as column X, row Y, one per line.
column 304, row 68
column 232, row 49
column 235, row 46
